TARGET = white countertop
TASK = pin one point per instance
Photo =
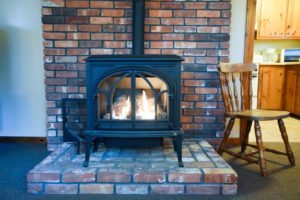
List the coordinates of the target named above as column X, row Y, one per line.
column 285, row 63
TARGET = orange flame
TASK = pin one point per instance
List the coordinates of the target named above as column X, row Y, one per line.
column 144, row 108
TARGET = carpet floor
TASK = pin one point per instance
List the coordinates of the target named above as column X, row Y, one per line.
column 16, row 159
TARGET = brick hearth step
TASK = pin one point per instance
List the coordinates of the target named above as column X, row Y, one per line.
column 134, row 171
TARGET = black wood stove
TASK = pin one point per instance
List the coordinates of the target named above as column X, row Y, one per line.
column 133, row 99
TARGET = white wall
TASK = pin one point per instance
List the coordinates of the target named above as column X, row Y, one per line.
column 238, row 27
column 237, row 41
column 22, row 96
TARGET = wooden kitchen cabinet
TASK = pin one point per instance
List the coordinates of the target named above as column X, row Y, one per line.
column 270, row 87
column 272, row 19
column 292, row 90
column 278, row 20
column 293, row 19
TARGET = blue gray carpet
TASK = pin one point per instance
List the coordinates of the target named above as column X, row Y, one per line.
column 16, row 159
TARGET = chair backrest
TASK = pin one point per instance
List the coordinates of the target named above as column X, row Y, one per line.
column 236, row 85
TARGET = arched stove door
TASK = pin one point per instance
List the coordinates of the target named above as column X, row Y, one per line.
column 133, row 99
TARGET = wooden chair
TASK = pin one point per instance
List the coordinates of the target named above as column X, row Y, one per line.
column 237, row 94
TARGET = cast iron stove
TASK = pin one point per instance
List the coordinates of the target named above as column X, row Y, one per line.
column 132, row 97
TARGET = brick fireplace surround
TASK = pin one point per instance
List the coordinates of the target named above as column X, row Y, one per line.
column 196, row 30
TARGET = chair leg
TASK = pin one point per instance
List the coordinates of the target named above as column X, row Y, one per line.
column 226, row 135
column 259, row 142
column 246, row 136
column 286, row 142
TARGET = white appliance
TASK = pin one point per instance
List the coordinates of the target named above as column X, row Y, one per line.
column 290, row 55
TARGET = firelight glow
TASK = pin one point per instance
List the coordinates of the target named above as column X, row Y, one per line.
column 144, row 108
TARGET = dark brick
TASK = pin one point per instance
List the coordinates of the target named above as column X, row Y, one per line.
column 193, row 68
column 196, row 37
column 78, row 81
column 64, row 11
column 53, row 20
column 212, row 83
column 218, row 127
column 97, row 44
column 114, row 28
column 55, row 66
column 53, row 97
column 128, row 13
column 218, row 37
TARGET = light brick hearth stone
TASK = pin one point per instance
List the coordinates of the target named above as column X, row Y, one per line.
column 134, row 171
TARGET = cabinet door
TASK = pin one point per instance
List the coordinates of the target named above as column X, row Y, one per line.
column 272, row 22
column 290, row 90
column 293, row 19
column 270, row 94
column 297, row 97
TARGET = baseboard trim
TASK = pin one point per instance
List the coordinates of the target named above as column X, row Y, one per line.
column 23, row 139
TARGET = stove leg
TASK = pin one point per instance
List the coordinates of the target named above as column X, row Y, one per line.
column 87, row 152
column 96, row 145
column 174, row 144
column 78, row 147
column 179, row 149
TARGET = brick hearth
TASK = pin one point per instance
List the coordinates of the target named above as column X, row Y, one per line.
column 134, row 171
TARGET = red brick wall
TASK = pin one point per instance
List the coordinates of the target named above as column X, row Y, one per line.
column 196, row 30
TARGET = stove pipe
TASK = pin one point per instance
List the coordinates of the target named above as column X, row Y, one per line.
column 138, row 27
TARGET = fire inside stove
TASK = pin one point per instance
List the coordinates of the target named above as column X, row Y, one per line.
column 144, row 109
column 127, row 96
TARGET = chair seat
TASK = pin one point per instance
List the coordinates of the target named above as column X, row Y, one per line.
column 258, row 115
